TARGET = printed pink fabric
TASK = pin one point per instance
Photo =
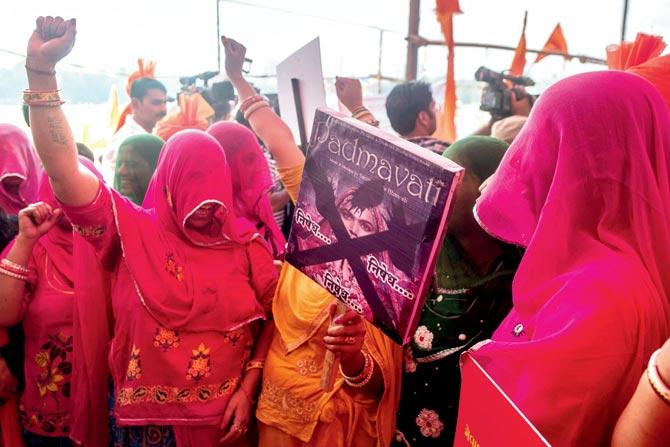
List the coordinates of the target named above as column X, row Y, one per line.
column 251, row 179
column 17, row 159
column 585, row 188
column 47, row 323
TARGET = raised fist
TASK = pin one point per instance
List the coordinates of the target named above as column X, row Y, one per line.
column 51, row 41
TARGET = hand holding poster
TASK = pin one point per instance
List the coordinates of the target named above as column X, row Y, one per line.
column 370, row 219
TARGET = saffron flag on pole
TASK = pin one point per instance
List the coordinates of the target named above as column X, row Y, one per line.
column 556, row 44
column 446, row 127
column 519, row 61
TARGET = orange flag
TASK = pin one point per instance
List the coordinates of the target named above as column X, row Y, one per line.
column 642, row 58
column 446, row 127
column 519, row 61
column 656, row 71
column 630, row 54
column 556, row 43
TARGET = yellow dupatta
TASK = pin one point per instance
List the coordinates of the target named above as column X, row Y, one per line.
column 292, row 408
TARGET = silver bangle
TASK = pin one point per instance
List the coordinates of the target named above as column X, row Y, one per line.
column 365, row 376
column 13, row 275
column 655, row 379
column 14, row 265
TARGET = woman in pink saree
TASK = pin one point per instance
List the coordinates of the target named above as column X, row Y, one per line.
column 187, row 280
column 37, row 288
column 585, row 188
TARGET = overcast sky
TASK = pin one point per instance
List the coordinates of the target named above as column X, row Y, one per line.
column 181, row 35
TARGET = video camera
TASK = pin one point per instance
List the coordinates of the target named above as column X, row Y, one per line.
column 188, row 82
column 497, row 97
column 219, row 95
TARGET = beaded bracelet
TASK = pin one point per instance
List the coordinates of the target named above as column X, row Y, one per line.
column 655, row 380
column 365, row 375
column 249, row 102
column 14, row 266
column 254, row 107
column 12, row 274
column 254, row 364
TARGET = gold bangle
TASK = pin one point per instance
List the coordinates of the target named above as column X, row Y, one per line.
column 249, row 102
column 254, row 364
column 45, row 103
column 40, row 96
column 655, row 380
column 361, row 375
column 254, row 107
column 365, row 375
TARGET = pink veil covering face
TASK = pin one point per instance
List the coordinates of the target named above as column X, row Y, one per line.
column 585, row 188
column 161, row 252
column 251, row 179
column 18, row 159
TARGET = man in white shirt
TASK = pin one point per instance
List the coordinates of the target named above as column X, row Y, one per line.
column 149, row 105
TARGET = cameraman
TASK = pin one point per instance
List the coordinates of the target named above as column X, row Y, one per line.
column 506, row 128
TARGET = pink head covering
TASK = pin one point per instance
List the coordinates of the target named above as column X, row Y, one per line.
column 251, row 179
column 585, row 188
column 171, row 264
column 17, row 159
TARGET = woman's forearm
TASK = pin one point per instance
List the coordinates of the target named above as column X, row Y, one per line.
column 353, row 365
column 279, row 199
column 55, row 144
column 646, row 420
column 12, row 289
column 252, row 378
